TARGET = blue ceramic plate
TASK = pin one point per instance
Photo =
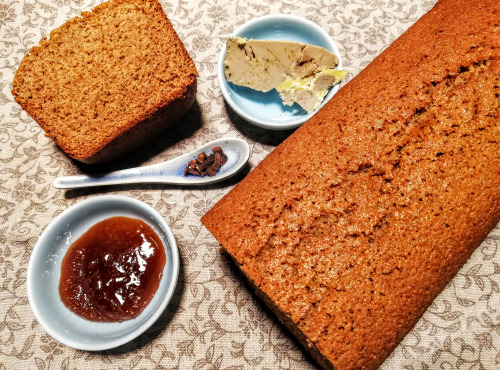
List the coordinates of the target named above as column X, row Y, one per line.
column 44, row 270
column 266, row 109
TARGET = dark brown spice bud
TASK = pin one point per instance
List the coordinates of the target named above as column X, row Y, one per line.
column 190, row 168
column 201, row 157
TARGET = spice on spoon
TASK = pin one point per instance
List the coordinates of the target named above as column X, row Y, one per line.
column 206, row 165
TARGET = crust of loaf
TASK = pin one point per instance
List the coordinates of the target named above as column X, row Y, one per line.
column 354, row 224
column 285, row 319
column 106, row 82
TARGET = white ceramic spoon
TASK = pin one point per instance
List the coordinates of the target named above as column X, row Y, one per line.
column 170, row 172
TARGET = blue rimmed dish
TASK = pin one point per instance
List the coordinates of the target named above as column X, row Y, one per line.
column 266, row 110
column 44, row 269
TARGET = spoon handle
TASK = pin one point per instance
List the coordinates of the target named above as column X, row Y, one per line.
column 129, row 176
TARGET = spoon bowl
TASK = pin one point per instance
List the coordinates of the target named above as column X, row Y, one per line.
column 169, row 172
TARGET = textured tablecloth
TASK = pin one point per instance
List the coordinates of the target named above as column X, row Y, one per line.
column 213, row 321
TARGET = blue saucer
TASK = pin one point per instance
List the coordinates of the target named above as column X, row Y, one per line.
column 266, row 110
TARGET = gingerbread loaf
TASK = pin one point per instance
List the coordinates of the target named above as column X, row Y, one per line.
column 108, row 81
column 352, row 226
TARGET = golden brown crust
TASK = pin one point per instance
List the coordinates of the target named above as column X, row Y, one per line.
column 102, row 74
column 359, row 219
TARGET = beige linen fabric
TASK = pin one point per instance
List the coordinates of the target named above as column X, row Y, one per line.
column 214, row 321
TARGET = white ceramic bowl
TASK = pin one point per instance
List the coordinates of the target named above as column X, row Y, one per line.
column 266, row 110
column 44, row 270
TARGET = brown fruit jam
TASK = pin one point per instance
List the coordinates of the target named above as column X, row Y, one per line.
column 112, row 271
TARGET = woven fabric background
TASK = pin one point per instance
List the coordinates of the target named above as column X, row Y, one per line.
column 214, row 321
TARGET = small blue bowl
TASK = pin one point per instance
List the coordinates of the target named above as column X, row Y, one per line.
column 44, row 270
column 266, row 110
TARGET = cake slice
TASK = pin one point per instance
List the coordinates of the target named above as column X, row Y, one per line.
column 106, row 82
column 352, row 226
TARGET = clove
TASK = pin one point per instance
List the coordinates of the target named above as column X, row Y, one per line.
column 206, row 165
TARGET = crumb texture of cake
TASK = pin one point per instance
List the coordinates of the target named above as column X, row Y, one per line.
column 352, row 226
column 107, row 81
